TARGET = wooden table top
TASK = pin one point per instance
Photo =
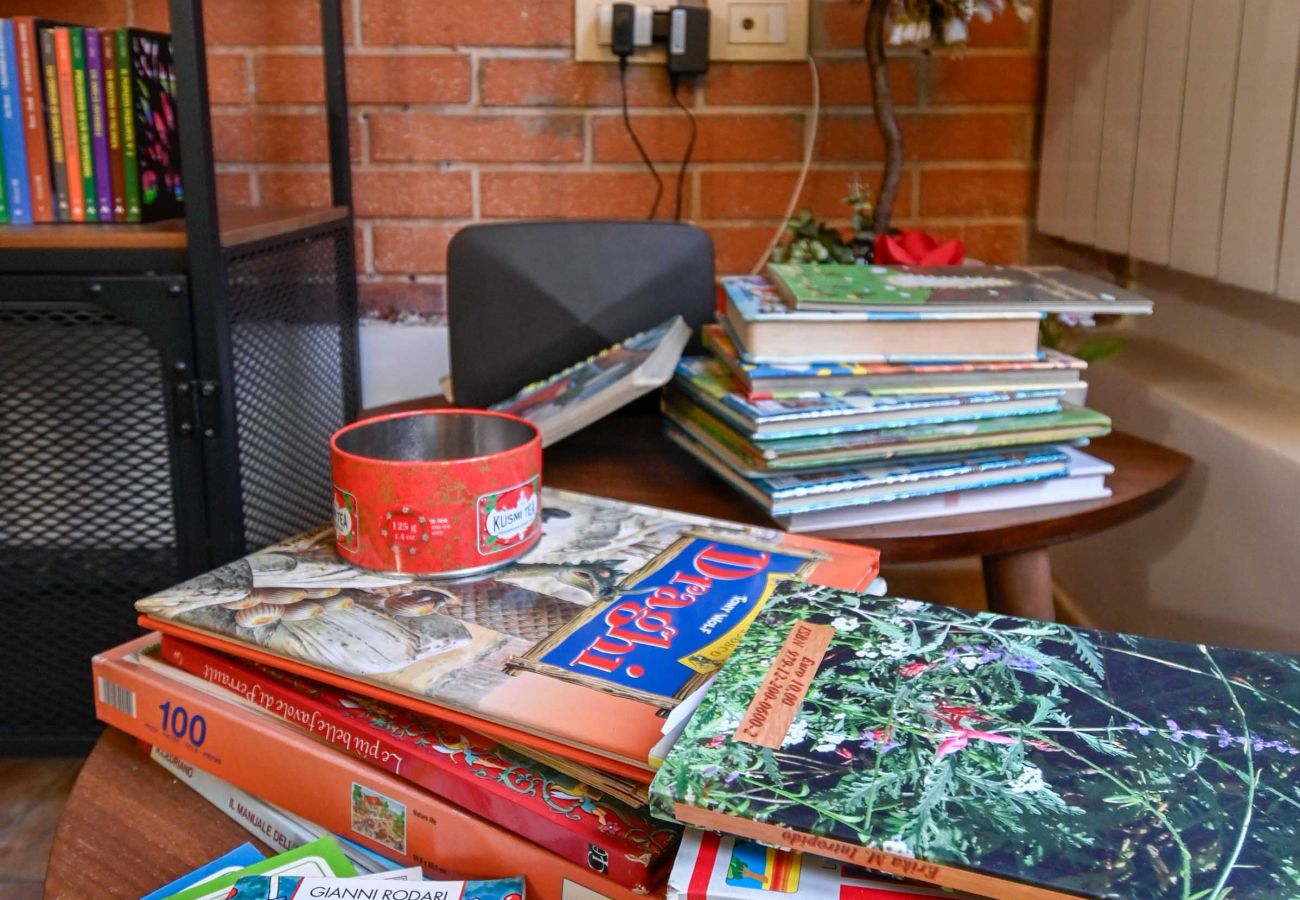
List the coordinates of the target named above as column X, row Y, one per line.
column 628, row 457
column 129, row 827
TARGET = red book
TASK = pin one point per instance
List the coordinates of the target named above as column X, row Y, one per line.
column 460, row 766
column 341, row 794
column 33, row 118
column 68, row 114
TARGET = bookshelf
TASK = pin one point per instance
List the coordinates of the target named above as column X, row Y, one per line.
column 166, row 398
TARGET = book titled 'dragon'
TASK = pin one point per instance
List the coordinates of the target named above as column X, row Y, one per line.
column 1008, row 757
column 618, row 614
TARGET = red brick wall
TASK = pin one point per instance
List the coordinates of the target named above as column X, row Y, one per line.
column 469, row 110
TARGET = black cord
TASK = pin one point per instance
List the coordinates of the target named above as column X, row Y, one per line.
column 627, row 123
column 690, row 145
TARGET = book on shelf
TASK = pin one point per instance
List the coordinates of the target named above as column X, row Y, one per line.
column 52, row 117
column 67, row 111
column 335, row 791
column 126, row 98
column 98, row 113
column 113, row 125
column 13, row 141
column 882, row 485
column 152, row 124
column 1052, row 370
column 476, row 773
column 81, row 122
column 35, row 139
column 617, row 614
column 706, row 382
column 767, row 330
column 592, row 389
column 755, row 460
column 1084, row 479
column 988, row 289
column 1008, row 757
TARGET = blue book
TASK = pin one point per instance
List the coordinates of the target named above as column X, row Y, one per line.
column 236, row 860
column 14, row 142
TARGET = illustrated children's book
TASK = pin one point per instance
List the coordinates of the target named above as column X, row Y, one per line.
column 321, row 858
column 706, row 381
column 617, row 614
column 1054, row 370
column 594, row 388
column 287, row 887
column 472, row 771
column 236, row 860
column 769, row 331
column 1046, row 289
column 151, row 130
column 1008, row 757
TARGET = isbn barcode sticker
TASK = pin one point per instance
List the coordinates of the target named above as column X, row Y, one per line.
column 113, row 694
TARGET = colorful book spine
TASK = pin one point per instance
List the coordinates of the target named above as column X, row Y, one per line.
column 33, row 119
column 474, row 772
column 126, row 101
column 81, row 112
column 344, row 795
column 17, row 192
column 113, row 121
column 63, row 40
column 98, row 124
column 53, row 118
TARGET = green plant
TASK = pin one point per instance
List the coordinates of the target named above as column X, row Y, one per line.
column 814, row 241
column 1064, row 333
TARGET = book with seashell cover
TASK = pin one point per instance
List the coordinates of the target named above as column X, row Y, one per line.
column 578, row 649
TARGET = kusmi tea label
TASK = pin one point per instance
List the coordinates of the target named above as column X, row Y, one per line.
column 346, row 522
column 508, row 518
column 781, row 693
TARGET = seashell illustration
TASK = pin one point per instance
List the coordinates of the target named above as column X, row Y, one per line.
column 321, row 593
column 303, row 609
column 423, row 602
column 257, row 616
column 267, row 563
column 251, row 599
column 338, row 601
column 279, row 596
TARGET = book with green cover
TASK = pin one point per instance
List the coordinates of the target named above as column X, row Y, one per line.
column 1009, row 757
column 126, row 101
column 81, row 106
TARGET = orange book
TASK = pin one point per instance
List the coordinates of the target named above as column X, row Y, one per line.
column 271, row 761
column 33, row 117
column 581, row 649
column 68, row 115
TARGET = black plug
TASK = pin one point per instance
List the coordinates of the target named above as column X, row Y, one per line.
column 622, row 35
column 688, row 40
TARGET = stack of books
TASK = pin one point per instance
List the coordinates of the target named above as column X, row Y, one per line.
column 88, row 124
column 840, row 395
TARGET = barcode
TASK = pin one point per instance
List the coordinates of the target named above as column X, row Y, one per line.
column 120, row 698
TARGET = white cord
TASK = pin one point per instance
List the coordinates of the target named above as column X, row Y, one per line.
column 811, row 136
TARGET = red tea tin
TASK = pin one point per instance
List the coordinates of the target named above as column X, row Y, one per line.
column 437, row 492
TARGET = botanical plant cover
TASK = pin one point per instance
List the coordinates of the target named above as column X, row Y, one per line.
column 1001, row 755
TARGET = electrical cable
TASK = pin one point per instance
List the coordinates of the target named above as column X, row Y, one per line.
column 627, row 123
column 811, row 136
column 673, row 82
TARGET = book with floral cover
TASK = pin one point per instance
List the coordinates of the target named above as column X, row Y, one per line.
column 1005, row 756
column 618, row 613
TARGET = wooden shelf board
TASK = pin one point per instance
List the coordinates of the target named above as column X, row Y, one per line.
column 239, row 225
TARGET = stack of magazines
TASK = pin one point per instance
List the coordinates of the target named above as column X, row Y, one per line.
column 840, row 395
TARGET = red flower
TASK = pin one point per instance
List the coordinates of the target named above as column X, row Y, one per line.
column 913, row 247
column 912, row 669
column 958, row 740
column 715, row 741
column 844, row 752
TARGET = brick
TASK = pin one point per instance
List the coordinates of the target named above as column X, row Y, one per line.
column 269, row 137
column 359, row 231
column 480, row 138
column 372, row 78
column 294, row 188
column 928, row 137
column 240, row 23
column 977, row 192
column 840, row 26
column 411, row 249
column 737, row 248
column 997, row 244
column 964, row 79
column 228, row 78
column 765, row 194
column 97, row 13
column 505, row 23
column 843, row 83
column 400, row 300
column 412, row 192
column 616, row 195
column 722, row 138
column 234, row 189
column 510, row 81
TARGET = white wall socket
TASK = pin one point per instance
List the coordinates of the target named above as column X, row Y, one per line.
column 739, row 30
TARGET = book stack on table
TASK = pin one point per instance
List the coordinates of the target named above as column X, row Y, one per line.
column 840, row 395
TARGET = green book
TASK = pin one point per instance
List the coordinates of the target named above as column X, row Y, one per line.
column 81, row 105
column 1002, row 756
column 126, row 103
column 321, row 858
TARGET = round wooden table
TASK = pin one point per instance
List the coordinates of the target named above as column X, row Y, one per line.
column 627, row 457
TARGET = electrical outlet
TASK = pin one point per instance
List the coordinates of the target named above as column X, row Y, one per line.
column 739, row 30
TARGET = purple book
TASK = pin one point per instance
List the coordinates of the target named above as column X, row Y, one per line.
column 98, row 126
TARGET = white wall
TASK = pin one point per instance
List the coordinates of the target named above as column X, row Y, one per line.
column 401, row 361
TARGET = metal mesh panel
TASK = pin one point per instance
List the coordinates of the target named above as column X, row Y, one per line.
column 295, row 377
column 86, row 511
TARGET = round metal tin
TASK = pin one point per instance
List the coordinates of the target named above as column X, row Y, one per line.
column 437, row 492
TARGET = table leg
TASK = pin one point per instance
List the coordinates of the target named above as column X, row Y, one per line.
column 1020, row 584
